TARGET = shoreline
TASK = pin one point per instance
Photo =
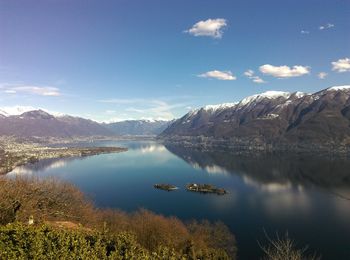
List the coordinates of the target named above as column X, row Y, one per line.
column 14, row 154
column 255, row 146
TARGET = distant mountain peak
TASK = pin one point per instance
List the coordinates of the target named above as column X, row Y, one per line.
column 37, row 114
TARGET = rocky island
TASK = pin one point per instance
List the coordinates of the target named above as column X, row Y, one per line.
column 167, row 187
column 205, row 188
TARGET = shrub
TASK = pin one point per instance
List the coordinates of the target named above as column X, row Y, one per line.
column 47, row 199
column 43, row 242
column 18, row 241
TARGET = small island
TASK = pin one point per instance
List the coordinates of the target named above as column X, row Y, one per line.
column 166, row 187
column 205, row 188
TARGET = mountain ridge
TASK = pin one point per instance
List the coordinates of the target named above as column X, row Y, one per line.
column 40, row 123
column 270, row 120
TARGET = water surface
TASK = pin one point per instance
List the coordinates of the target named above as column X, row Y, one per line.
column 307, row 196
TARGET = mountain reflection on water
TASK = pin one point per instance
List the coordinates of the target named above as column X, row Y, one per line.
column 308, row 196
column 273, row 172
column 42, row 165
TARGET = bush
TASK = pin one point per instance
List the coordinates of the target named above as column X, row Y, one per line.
column 47, row 199
column 207, row 236
column 43, row 242
column 18, row 241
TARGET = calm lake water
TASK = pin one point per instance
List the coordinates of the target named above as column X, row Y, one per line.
column 307, row 196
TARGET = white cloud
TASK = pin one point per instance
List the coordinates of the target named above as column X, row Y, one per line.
column 249, row 73
column 256, row 79
column 304, row 32
column 220, row 75
column 10, row 91
column 284, row 71
column 110, row 112
column 211, row 27
column 144, row 108
column 15, row 110
column 322, row 75
column 42, row 91
column 30, row 89
column 326, row 26
column 122, row 101
column 341, row 65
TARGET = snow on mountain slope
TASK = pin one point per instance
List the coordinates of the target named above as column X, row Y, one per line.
column 219, row 106
column 344, row 87
column 265, row 95
column 274, row 116
column 251, row 100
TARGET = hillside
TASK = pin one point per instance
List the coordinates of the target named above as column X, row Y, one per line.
column 271, row 120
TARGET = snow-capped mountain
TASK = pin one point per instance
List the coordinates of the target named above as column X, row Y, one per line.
column 38, row 123
column 272, row 117
column 251, row 101
column 18, row 110
column 138, row 127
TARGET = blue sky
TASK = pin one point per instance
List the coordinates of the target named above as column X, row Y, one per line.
column 123, row 59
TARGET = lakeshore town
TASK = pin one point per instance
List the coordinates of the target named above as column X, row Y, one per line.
column 15, row 153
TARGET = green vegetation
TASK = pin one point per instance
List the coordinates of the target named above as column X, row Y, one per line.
column 18, row 241
column 68, row 226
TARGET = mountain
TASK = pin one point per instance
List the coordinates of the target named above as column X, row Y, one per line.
column 138, row 127
column 38, row 123
column 270, row 120
column 15, row 110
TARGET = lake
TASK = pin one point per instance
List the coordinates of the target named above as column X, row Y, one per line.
column 308, row 196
